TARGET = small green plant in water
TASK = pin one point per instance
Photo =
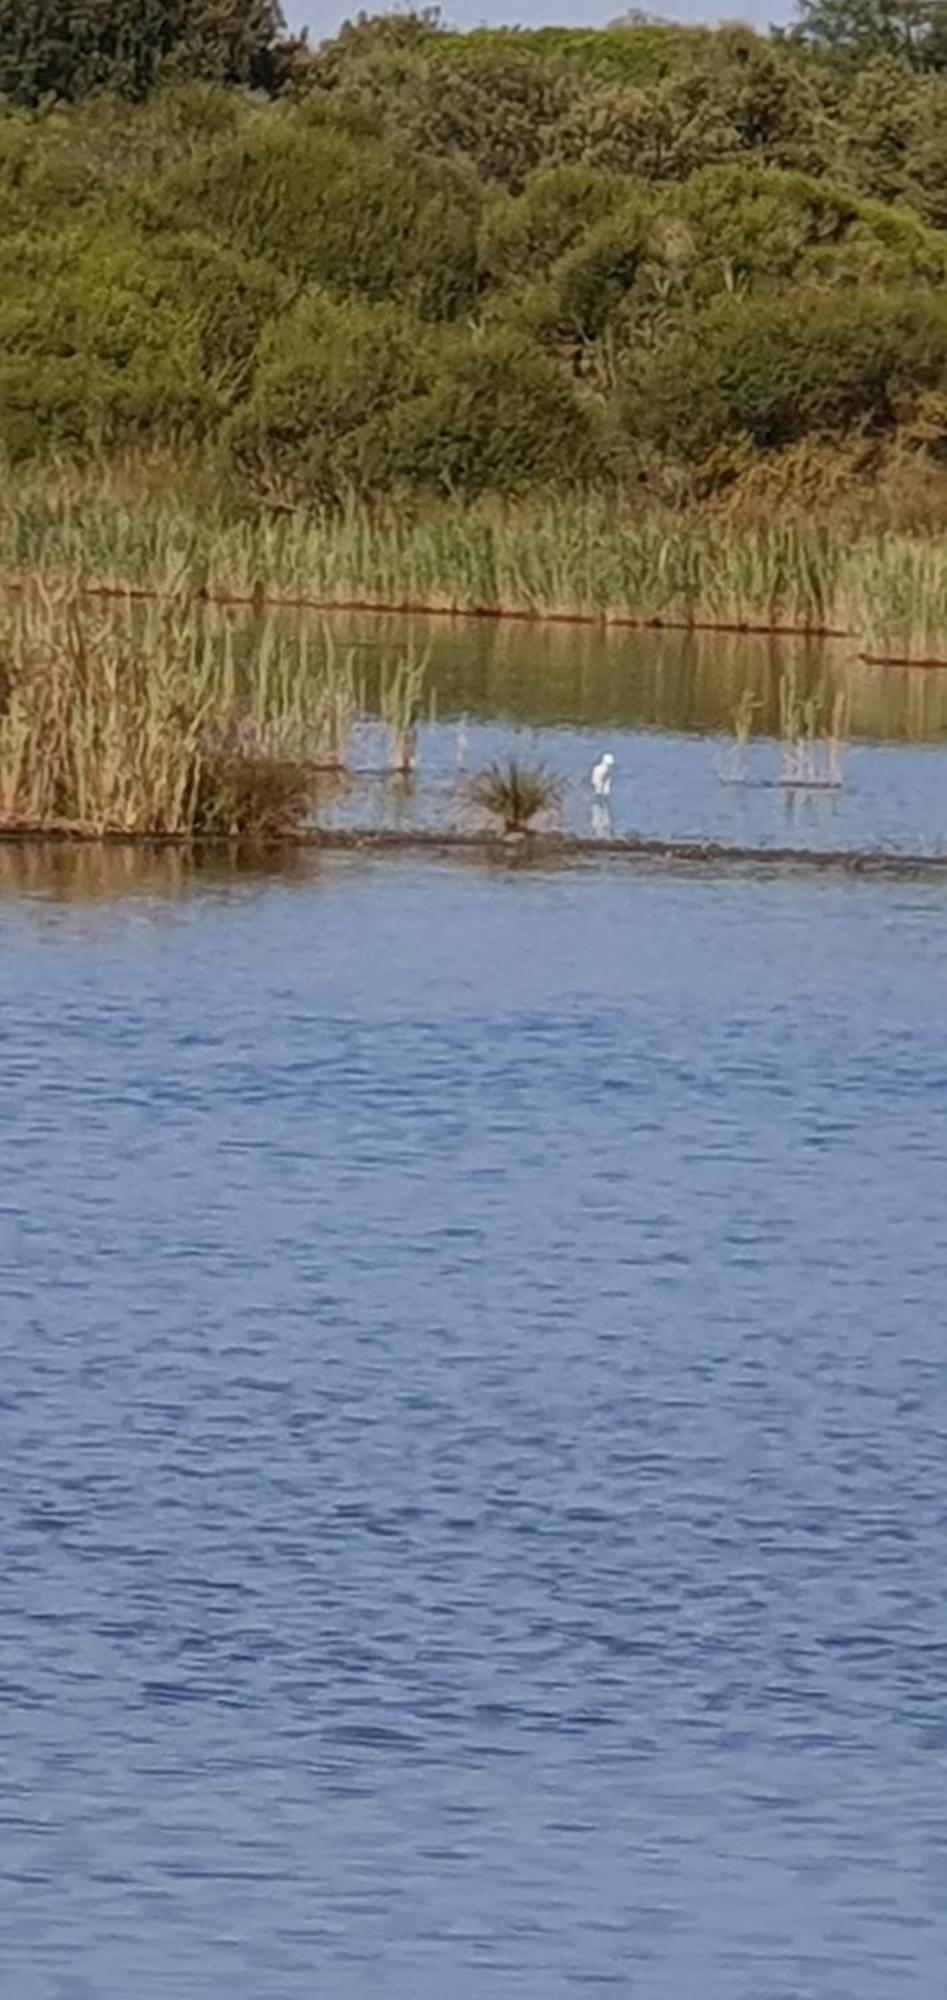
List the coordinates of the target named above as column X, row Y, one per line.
column 735, row 770
column 813, row 735
column 516, row 794
column 403, row 687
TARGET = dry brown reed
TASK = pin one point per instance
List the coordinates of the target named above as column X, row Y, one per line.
column 115, row 721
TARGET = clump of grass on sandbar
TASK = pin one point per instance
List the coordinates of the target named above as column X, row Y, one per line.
column 516, row 794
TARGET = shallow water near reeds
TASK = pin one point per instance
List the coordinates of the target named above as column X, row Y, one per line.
column 663, row 703
column 472, row 1419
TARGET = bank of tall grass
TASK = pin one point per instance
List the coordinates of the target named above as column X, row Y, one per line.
column 121, row 720
column 140, row 528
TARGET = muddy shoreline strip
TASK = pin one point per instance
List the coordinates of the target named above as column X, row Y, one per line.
column 536, row 847
column 929, row 665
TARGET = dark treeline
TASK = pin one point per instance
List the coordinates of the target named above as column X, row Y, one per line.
column 411, row 260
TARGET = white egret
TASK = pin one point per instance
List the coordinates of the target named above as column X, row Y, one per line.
column 602, row 775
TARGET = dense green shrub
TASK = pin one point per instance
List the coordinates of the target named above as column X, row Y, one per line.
column 497, row 417
column 591, row 283
column 458, row 263
column 779, row 112
column 330, row 377
column 774, row 369
column 522, row 239
column 499, row 110
column 336, row 209
column 894, row 138
column 103, row 336
column 637, row 53
column 728, row 231
column 501, row 114
column 97, row 157
column 641, row 51
column 362, row 398
column 49, row 49
column 659, row 101
column 227, row 299
column 753, row 229
column 89, row 348
column 368, row 40
column 662, row 133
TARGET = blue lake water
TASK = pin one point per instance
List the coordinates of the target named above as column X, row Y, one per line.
column 473, row 1415
column 665, row 706
column 663, row 703
column 666, row 785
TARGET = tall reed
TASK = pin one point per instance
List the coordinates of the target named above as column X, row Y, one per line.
column 592, row 558
column 813, row 732
column 404, row 683
column 117, row 720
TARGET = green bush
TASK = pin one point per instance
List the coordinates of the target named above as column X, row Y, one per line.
column 894, row 138
column 591, row 287
column 498, row 417
column 96, row 157
column 103, row 336
column 774, row 369
column 756, row 227
column 725, row 232
column 361, row 398
column 591, row 281
column 48, row 49
column 330, row 379
column 779, row 111
column 459, row 263
column 336, row 209
column 368, row 40
column 90, row 347
column 641, row 52
column 498, row 109
column 659, row 134
column 229, row 300
column 522, row 239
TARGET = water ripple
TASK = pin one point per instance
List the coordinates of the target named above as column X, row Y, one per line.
column 473, row 1419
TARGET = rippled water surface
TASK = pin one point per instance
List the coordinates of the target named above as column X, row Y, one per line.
column 472, row 1434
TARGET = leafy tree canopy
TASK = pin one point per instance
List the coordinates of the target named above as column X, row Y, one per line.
column 913, row 31
column 422, row 261
column 52, row 49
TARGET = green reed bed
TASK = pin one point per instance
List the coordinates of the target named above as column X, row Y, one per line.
column 893, row 594
column 580, row 558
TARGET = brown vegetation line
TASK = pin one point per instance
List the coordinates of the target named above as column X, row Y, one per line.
column 508, row 614
column 373, row 607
